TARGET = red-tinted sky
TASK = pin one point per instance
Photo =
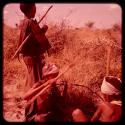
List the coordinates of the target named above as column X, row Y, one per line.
column 104, row 15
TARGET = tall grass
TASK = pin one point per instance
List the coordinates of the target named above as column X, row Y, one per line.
column 86, row 48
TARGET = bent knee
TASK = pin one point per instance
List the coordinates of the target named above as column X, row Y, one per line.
column 79, row 116
column 76, row 112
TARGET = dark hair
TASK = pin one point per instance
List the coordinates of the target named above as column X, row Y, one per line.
column 25, row 8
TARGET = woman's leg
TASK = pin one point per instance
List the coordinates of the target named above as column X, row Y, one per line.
column 38, row 68
column 28, row 60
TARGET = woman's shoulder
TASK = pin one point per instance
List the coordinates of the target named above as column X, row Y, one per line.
column 104, row 104
column 27, row 21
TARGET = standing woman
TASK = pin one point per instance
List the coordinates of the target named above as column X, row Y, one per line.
column 34, row 46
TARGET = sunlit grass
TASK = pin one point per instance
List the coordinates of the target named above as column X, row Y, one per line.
column 86, row 48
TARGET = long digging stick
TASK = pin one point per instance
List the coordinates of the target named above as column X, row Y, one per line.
column 33, row 92
column 19, row 48
column 48, row 84
column 36, row 90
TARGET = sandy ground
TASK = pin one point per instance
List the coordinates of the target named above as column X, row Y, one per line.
column 13, row 106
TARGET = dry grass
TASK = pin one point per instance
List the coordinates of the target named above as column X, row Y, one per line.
column 85, row 47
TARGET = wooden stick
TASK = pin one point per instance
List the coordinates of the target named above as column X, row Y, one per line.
column 45, row 14
column 38, row 94
column 46, row 85
column 108, row 60
column 30, row 94
column 34, row 91
column 17, row 51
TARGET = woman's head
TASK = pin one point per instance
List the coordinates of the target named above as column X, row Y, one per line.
column 111, row 88
column 50, row 71
column 28, row 10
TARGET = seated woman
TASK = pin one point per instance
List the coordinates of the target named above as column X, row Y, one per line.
column 110, row 109
column 38, row 109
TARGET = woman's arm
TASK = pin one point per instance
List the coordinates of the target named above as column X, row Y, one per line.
column 30, row 93
column 96, row 115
